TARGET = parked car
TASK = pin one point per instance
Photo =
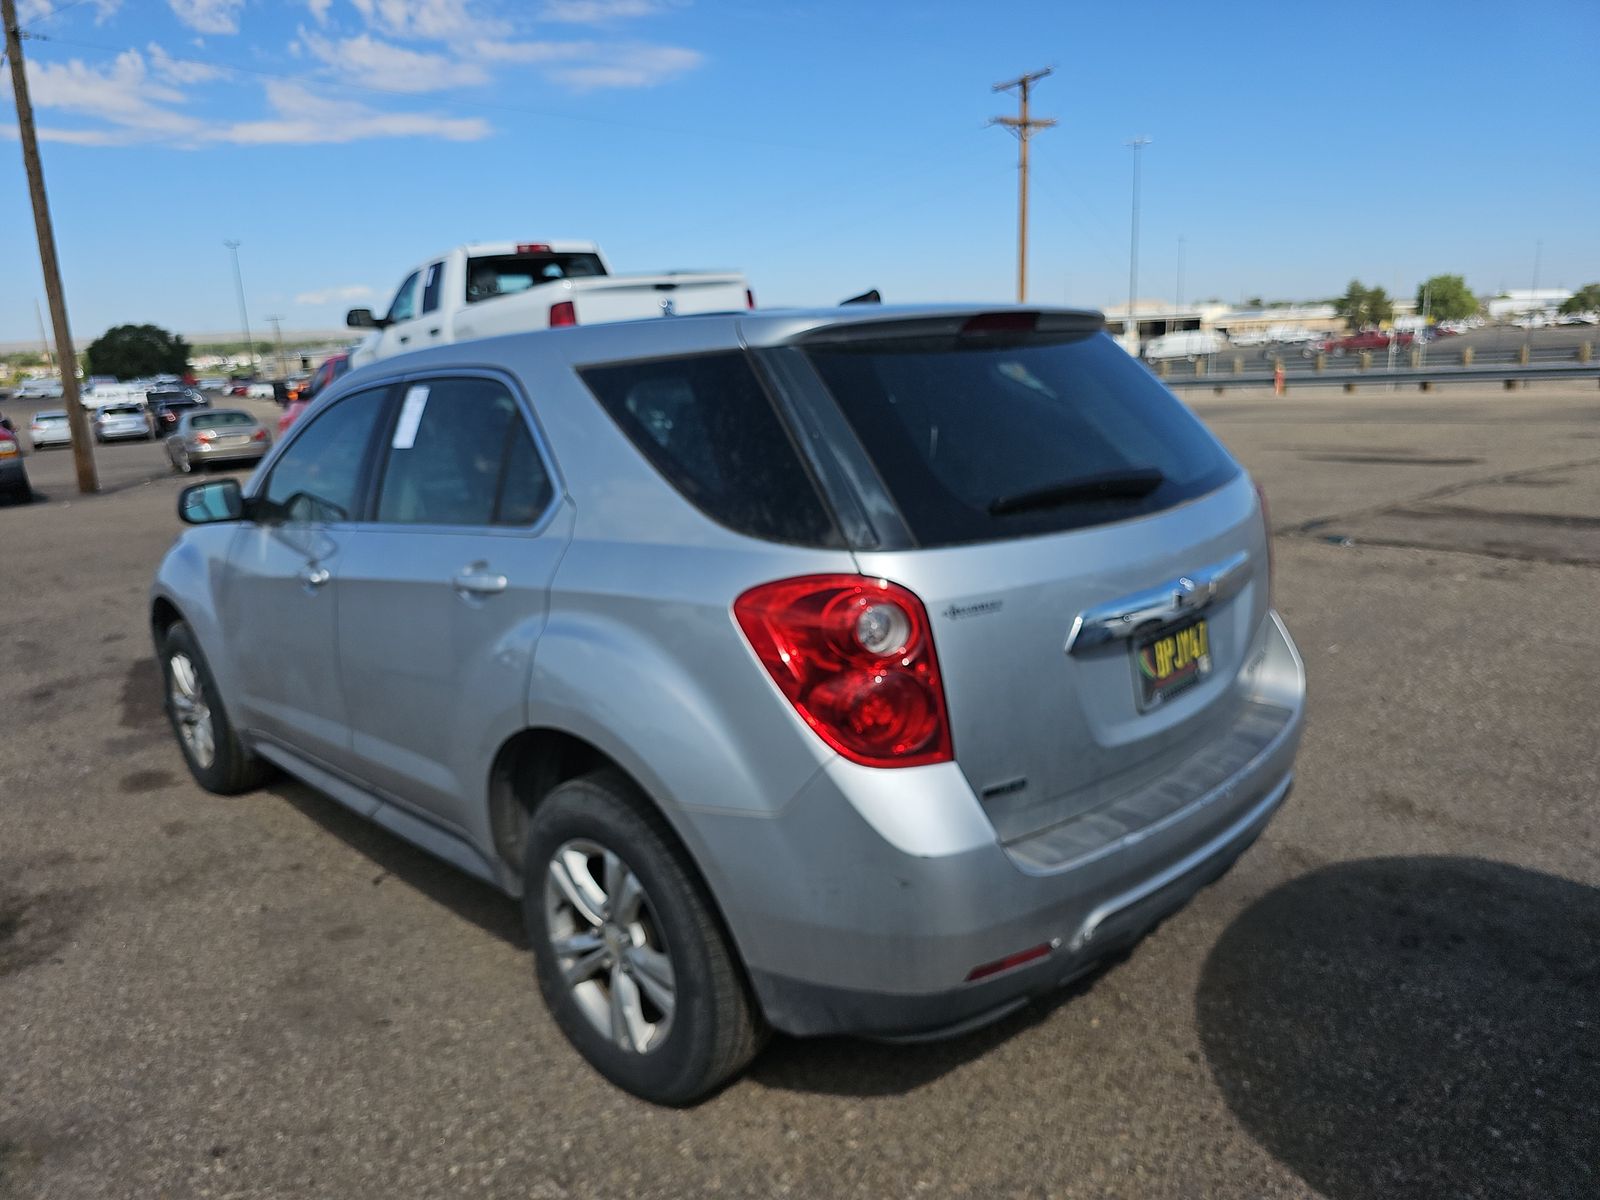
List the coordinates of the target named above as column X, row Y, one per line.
column 13, row 471
column 332, row 368
column 894, row 665
column 1185, row 343
column 216, row 435
column 39, row 389
column 166, row 407
column 492, row 288
column 213, row 383
column 261, row 391
column 49, row 428
column 120, row 422
column 1367, row 339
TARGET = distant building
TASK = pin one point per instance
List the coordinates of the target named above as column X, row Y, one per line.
column 1156, row 317
column 1519, row 302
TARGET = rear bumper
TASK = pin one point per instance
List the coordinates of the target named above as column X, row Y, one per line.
column 13, row 475
column 864, row 912
column 204, row 453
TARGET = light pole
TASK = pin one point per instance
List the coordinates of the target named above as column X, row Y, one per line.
column 277, row 329
column 1136, row 144
column 244, row 317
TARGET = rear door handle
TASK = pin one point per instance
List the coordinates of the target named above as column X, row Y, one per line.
column 434, row 332
column 478, row 580
column 314, row 576
column 404, row 338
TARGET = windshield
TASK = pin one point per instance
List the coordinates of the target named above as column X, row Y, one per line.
column 977, row 440
column 507, row 274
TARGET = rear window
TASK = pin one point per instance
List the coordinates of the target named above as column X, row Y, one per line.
column 708, row 427
column 507, row 274
column 225, row 420
column 123, row 410
column 972, row 437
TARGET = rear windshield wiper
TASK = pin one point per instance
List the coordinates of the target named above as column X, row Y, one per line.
column 1132, row 483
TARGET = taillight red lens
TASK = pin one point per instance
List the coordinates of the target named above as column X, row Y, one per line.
column 855, row 657
column 749, row 298
column 563, row 313
column 1266, row 521
column 205, row 437
column 260, row 435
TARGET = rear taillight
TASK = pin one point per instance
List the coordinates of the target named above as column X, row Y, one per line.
column 749, row 298
column 563, row 313
column 259, row 435
column 205, row 437
column 1266, row 526
column 855, row 657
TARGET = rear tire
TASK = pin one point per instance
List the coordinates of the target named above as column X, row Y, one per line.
column 707, row 1029
column 215, row 756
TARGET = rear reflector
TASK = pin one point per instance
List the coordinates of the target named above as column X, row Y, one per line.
column 1002, row 322
column 562, row 313
column 533, row 247
column 1009, row 961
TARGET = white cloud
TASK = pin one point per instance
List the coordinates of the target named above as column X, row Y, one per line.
column 319, row 10
column 440, row 20
column 368, row 62
column 595, row 12
column 122, row 94
column 29, row 11
column 208, row 16
column 306, row 118
column 342, row 294
column 629, row 67
column 585, row 66
column 180, row 70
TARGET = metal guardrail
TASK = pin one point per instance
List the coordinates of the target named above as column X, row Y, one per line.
column 1424, row 377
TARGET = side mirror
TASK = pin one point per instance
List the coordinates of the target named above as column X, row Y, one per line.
column 211, row 502
column 362, row 318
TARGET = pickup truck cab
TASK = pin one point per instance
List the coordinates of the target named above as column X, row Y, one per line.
column 490, row 288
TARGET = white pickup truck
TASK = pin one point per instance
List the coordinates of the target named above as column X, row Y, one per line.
column 490, row 288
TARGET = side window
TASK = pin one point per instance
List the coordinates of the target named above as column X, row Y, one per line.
column 446, row 457
column 432, row 285
column 525, row 487
column 319, row 476
column 706, row 425
column 404, row 305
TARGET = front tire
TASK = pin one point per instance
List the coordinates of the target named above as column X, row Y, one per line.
column 632, row 959
column 215, row 756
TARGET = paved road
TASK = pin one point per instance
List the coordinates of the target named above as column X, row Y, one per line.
column 1392, row 994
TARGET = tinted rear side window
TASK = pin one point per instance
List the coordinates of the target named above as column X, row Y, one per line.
column 954, row 426
column 706, row 424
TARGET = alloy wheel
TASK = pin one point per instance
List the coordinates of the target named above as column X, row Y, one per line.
column 186, row 695
column 609, row 946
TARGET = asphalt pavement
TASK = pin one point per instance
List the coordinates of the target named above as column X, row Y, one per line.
column 1393, row 994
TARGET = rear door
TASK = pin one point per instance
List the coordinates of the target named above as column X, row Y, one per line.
column 1057, row 498
column 443, row 596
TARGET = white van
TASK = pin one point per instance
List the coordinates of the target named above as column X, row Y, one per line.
column 1186, row 343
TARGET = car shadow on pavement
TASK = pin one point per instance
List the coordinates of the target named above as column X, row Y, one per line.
column 1418, row 1027
column 842, row 1066
column 488, row 908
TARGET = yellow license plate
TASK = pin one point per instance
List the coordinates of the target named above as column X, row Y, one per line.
column 1171, row 662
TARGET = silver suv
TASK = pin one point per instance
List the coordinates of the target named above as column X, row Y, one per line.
column 862, row 671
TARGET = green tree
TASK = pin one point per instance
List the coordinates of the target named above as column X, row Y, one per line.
column 1362, row 306
column 132, row 351
column 1585, row 299
column 1447, row 298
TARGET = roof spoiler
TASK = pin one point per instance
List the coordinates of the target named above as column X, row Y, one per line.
column 871, row 297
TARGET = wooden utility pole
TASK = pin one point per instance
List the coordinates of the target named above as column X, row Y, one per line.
column 1023, row 126
column 66, row 356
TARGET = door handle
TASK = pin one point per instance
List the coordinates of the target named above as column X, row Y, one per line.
column 478, row 580
column 314, row 576
column 404, row 338
column 434, row 332
column 1187, row 596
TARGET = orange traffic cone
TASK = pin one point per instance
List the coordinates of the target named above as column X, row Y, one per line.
column 1277, row 378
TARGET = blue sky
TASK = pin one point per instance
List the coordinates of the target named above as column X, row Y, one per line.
column 822, row 147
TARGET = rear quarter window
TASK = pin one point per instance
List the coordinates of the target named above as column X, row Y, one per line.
column 956, row 425
column 709, row 428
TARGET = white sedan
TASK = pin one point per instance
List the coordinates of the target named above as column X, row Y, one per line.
column 260, row 391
